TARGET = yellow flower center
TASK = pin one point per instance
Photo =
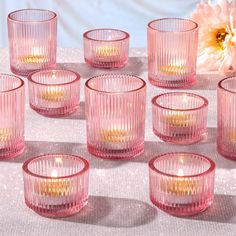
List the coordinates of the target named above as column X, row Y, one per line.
column 220, row 37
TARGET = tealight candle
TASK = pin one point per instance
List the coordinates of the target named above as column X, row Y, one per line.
column 115, row 115
column 226, row 117
column 106, row 48
column 5, row 134
column 32, row 40
column 106, row 53
column 171, row 63
column 12, row 109
column 56, row 185
column 54, row 92
column 179, row 117
column 182, row 183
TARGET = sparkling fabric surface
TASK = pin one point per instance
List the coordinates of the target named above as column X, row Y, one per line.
column 119, row 196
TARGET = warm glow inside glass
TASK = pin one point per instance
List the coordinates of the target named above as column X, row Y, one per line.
column 179, row 117
column 115, row 113
column 32, row 35
column 106, row 48
column 181, row 184
column 12, row 109
column 172, row 52
column 54, row 92
column 56, row 185
column 226, row 115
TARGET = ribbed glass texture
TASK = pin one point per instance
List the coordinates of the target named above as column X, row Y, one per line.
column 12, row 109
column 106, row 48
column 172, row 52
column 54, row 92
column 56, row 185
column 182, row 184
column 32, row 35
column 115, row 113
column 226, row 118
column 179, row 117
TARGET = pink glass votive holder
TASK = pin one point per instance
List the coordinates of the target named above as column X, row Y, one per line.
column 12, row 110
column 179, row 117
column 54, row 92
column 172, row 52
column 56, row 185
column 32, row 35
column 115, row 113
column 226, row 118
column 181, row 184
column 106, row 48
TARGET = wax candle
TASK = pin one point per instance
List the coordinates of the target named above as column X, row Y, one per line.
column 106, row 51
column 5, row 134
column 232, row 136
column 53, row 94
column 114, row 135
column 179, row 119
column 55, row 188
column 35, row 57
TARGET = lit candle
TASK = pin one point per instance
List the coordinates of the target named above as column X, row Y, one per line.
column 106, row 53
column 175, row 68
column 55, row 188
column 180, row 186
column 115, row 138
column 232, row 136
column 53, row 93
column 180, row 190
column 35, row 57
column 179, row 119
column 5, row 134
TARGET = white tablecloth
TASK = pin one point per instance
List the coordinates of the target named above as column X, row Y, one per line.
column 119, row 196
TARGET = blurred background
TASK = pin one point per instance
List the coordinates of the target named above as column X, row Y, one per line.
column 77, row 16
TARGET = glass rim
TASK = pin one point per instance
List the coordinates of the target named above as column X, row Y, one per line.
column 83, row 170
column 30, row 79
column 126, row 35
column 222, row 87
column 207, row 171
column 9, row 17
column 119, row 92
column 174, row 18
column 13, row 89
column 205, row 101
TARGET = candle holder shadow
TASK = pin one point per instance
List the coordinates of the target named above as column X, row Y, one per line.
column 222, row 211
column 115, row 213
column 135, row 66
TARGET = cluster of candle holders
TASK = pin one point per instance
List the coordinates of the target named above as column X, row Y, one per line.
column 56, row 185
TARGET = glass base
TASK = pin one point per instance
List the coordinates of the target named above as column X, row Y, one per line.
column 181, row 139
column 13, row 151
column 225, row 154
column 57, row 211
column 183, row 210
column 106, row 65
column 122, row 154
column 54, row 112
column 183, row 82
column 26, row 72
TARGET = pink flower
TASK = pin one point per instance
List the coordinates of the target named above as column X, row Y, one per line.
column 217, row 39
